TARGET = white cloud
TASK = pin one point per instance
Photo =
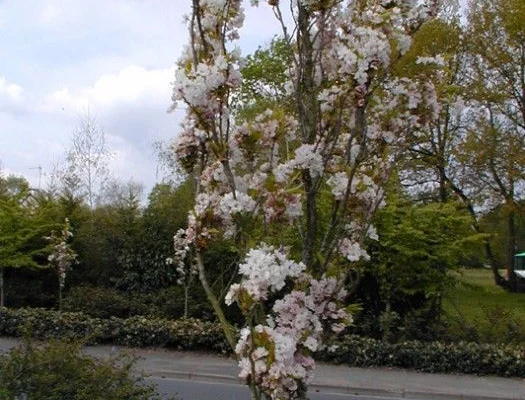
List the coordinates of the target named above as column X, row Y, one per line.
column 11, row 90
column 132, row 85
column 11, row 98
column 48, row 14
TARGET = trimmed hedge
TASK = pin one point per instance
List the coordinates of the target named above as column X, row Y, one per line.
column 192, row 334
column 461, row 357
column 181, row 334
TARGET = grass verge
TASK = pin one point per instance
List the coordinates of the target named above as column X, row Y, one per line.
column 476, row 309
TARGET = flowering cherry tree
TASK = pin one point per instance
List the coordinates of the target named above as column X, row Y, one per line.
column 62, row 256
column 184, row 265
column 295, row 191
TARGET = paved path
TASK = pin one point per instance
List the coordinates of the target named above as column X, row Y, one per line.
column 341, row 379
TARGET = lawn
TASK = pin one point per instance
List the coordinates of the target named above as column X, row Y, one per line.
column 475, row 308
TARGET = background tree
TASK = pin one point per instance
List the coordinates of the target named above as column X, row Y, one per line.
column 265, row 74
column 431, row 163
column 106, row 232
column 86, row 170
column 411, row 265
column 434, row 168
column 495, row 222
column 22, row 229
column 494, row 147
column 168, row 170
column 144, row 262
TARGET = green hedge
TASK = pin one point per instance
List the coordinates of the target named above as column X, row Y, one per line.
column 181, row 334
column 192, row 334
column 461, row 357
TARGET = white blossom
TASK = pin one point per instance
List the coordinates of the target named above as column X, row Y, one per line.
column 352, row 250
column 338, row 182
column 264, row 270
column 438, row 60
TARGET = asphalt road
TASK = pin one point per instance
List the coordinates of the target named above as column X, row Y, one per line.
column 194, row 390
column 209, row 376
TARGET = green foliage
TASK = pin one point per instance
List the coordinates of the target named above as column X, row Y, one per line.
column 144, row 264
column 435, row 38
column 26, row 218
column 102, row 302
column 137, row 331
column 402, row 286
column 100, row 237
column 59, row 370
column 419, row 244
column 264, row 80
column 496, row 222
column 22, row 227
column 460, row 357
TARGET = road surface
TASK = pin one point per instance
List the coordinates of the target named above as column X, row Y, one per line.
column 173, row 370
column 184, row 389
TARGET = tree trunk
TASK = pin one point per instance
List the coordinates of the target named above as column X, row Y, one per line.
column 511, row 249
column 443, row 187
column 306, row 102
column 186, row 301
column 226, row 327
column 498, row 279
column 1, row 287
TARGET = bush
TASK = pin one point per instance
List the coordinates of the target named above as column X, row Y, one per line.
column 137, row 331
column 106, row 302
column 461, row 357
column 193, row 334
column 59, row 371
column 102, row 303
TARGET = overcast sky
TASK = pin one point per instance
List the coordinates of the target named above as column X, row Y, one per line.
column 59, row 58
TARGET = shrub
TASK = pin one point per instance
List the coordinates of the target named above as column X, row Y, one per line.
column 193, row 334
column 102, row 303
column 137, row 331
column 106, row 302
column 461, row 357
column 59, row 371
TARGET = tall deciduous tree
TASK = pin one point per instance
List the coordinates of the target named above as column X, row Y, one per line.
column 420, row 244
column 264, row 75
column 319, row 168
column 144, row 262
column 494, row 147
column 431, row 162
column 86, row 170
column 22, row 228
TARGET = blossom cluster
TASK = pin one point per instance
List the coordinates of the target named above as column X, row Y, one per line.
column 182, row 260
column 306, row 158
column 264, row 270
column 276, row 355
column 62, row 256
